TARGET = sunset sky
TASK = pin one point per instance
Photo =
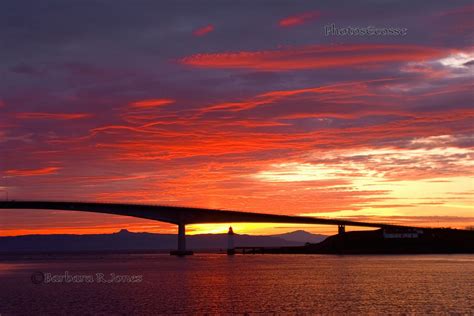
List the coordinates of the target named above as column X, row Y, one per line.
column 237, row 105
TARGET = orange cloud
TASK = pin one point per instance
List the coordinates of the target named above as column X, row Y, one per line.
column 203, row 138
column 315, row 56
column 149, row 103
column 203, row 30
column 299, row 19
column 32, row 172
column 51, row 116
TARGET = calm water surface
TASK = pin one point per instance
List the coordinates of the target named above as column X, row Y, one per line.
column 273, row 284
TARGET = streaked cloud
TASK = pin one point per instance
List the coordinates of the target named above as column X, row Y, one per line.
column 299, row 19
column 32, row 172
column 202, row 31
column 150, row 103
column 263, row 113
column 315, row 57
column 51, row 116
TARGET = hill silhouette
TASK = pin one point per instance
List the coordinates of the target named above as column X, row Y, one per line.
column 129, row 241
column 374, row 242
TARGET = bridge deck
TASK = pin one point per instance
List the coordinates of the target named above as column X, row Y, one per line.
column 183, row 215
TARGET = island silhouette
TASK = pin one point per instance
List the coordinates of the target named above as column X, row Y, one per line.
column 381, row 241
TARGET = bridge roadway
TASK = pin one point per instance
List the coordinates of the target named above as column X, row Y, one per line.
column 183, row 216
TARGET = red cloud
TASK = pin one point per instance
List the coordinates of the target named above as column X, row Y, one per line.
column 315, row 56
column 334, row 93
column 149, row 103
column 213, row 142
column 203, row 30
column 299, row 19
column 458, row 20
column 51, row 116
column 468, row 9
column 32, row 172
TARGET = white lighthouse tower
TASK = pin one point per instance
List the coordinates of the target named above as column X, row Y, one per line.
column 230, row 242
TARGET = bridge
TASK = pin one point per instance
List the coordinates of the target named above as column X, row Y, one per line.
column 183, row 216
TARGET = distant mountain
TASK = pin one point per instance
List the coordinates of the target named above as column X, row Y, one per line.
column 125, row 240
column 302, row 237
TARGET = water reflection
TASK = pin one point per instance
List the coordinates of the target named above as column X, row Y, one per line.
column 252, row 283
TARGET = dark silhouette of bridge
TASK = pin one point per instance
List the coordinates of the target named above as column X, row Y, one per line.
column 183, row 216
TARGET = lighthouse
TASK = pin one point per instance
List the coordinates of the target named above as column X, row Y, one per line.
column 230, row 242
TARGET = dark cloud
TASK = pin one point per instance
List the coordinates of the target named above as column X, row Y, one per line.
column 274, row 96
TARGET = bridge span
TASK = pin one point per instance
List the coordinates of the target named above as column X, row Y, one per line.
column 183, row 216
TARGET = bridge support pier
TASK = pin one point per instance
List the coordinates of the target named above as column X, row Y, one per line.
column 181, row 242
column 341, row 229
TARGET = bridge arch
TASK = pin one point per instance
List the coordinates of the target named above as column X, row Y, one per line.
column 181, row 216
